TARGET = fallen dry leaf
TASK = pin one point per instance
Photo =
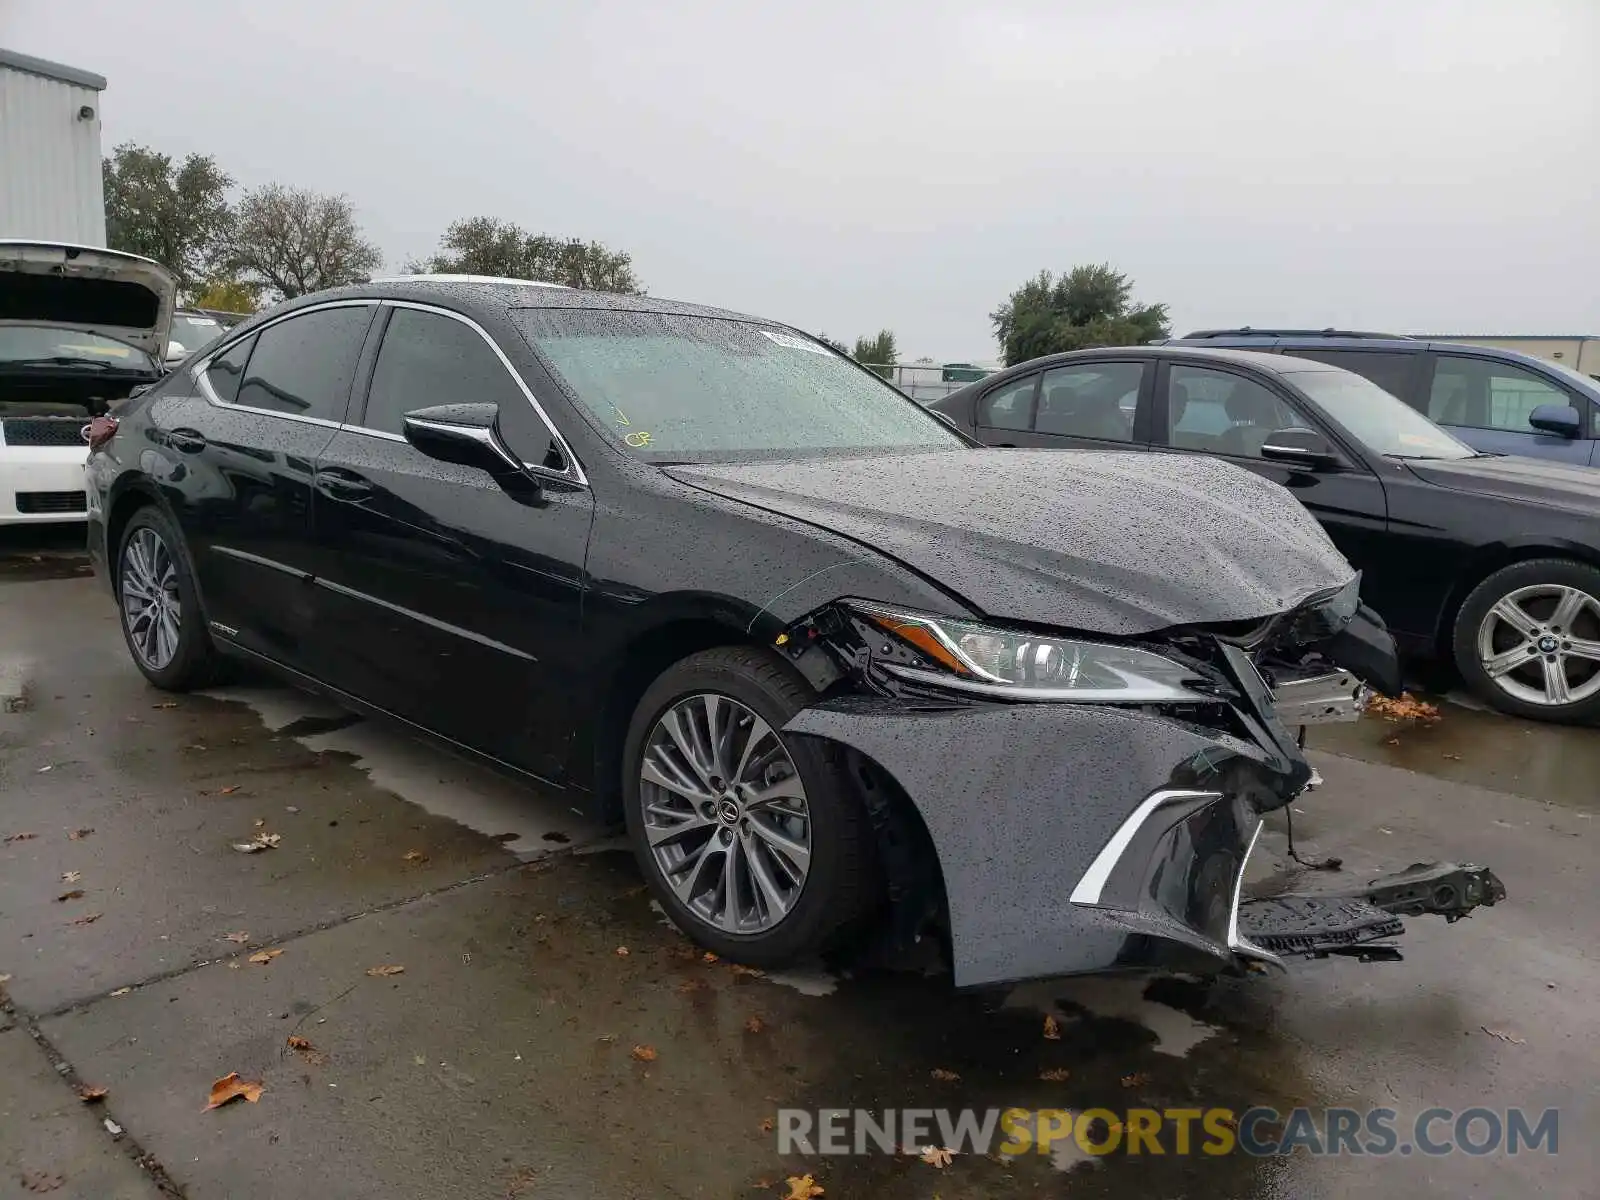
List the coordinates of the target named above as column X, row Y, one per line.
column 20, row 837
column 741, row 969
column 607, row 1038
column 241, row 937
column 91, row 1095
column 261, row 841
column 1137, row 1079
column 385, row 970
column 1055, row 1075
column 74, row 894
column 304, row 1048
column 690, row 985
column 260, row 821
column 754, row 1024
column 71, row 876
column 262, row 957
column 708, row 956
column 622, row 952
column 122, row 991
column 46, row 767
column 937, row 1156
column 1392, row 741
column 87, row 919
column 231, row 1087
column 1406, row 708
column 944, row 1076
column 4, row 979
column 644, row 1053
column 415, row 856
column 1052, row 1029
column 166, row 704
column 296, row 1042
column 802, row 1187
column 77, row 835
column 229, row 790
column 1503, row 1036
column 766, row 1126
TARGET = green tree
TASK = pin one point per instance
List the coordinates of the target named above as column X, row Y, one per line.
column 489, row 246
column 292, row 241
column 1087, row 306
column 175, row 213
column 837, row 345
column 880, row 353
column 228, row 295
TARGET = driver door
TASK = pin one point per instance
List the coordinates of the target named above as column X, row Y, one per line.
column 1212, row 410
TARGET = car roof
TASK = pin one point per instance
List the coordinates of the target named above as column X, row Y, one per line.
column 1259, row 359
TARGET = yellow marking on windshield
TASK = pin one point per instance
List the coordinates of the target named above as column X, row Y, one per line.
column 621, row 420
column 637, row 440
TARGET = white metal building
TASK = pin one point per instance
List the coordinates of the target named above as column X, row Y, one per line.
column 51, row 187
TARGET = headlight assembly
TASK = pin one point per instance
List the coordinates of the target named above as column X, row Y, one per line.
column 1027, row 666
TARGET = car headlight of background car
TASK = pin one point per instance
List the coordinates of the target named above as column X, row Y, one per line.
column 1021, row 665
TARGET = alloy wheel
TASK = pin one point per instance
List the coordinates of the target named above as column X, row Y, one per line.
column 1541, row 644
column 725, row 814
column 151, row 608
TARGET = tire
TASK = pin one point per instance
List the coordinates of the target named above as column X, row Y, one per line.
column 152, row 548
column 1527, row 640
column 840, row 871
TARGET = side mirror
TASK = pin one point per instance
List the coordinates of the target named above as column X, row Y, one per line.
column 1560, row 419
column 461, row 433
column 176, row 353
column 1300, row 447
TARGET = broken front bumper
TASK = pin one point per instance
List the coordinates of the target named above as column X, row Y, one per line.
column 1075, row 838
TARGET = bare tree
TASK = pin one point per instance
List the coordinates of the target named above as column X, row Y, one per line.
column 488, row 246
column 295, row 241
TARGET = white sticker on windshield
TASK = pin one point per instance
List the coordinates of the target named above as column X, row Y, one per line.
column 794, row 343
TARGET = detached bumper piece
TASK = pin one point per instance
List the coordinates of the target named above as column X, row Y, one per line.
column 1332, row 923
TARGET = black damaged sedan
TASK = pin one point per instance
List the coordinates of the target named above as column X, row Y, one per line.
column 830, row 662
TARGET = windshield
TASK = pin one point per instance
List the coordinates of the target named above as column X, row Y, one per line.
column 675, row 388
column 192, row 332
column 1384, row 423
column 42, row 345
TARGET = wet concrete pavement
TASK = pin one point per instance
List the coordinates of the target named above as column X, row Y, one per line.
column 501, row 1061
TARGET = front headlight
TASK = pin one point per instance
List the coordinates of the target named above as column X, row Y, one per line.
column 1029, row 666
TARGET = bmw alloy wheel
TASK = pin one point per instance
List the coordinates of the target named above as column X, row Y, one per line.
column 151, row 609
column 1541, row 644
column 725, row 814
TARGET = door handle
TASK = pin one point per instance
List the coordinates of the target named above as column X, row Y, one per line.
column 342, row 485
column 186, row 441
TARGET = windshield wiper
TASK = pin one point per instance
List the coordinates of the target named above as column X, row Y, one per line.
column 60, row 360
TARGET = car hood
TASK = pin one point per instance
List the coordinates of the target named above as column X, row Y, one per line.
column 1114, row 542
column 116, row 295
column 1535, row 480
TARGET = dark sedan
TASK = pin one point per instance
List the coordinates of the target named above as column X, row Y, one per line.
column 820, row 653
column 1488, row 560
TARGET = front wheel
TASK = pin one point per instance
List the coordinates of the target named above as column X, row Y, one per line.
column 1527, row 640
column 752, row 840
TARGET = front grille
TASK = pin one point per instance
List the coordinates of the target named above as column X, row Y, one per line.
column 37, row 503
column 42, row 431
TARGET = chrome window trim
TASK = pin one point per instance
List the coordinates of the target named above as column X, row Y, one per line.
column 1237, row 942
column 197, row 373
column 1094, row 879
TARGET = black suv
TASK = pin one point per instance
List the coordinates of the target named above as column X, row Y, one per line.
column 1497, row 401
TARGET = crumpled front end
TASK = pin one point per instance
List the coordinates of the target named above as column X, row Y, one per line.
column 1085, row 837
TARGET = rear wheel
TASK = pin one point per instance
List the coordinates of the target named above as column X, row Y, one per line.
column 751, row 839
column 1527, row 640
column 159, row 605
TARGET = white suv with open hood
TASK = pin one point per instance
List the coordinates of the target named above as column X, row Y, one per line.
column 80, row 328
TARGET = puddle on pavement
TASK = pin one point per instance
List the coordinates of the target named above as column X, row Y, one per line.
column 29, row 553
column 1557, row 763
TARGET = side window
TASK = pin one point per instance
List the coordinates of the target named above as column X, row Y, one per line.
column 303, row 366
column 428, row 359
column 1391, row 372
column 1488, row 395
column 1218, row 412
column 1092, row 400
column 1009, row 407
column 227, row 369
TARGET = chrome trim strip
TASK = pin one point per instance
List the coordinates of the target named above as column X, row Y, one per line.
column 1012, row 691
column 364, row 431
column 1094, row 879
column 448, row 277
column 423, row 618
column 574, row 471
column 1237, row 942
column 257, row 560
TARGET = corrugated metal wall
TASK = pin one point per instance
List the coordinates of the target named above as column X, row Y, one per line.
column 50, row 183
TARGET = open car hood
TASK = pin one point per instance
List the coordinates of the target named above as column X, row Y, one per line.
column 116, row 295
column 1118, row 542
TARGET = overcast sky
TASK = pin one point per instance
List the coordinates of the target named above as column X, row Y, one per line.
column 1410, row 164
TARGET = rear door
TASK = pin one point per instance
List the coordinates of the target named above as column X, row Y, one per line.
column 1089, row 405
column 1212, row 409
column 452, row 603
column 237, row 458
column 1486, row 403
